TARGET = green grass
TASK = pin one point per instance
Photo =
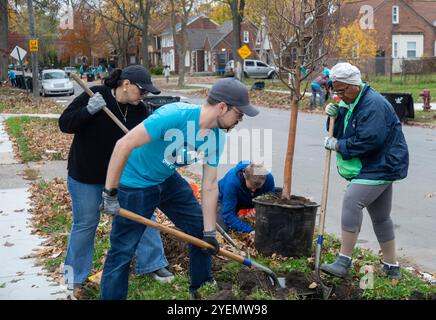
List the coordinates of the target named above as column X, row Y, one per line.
column 145, row 288
column 379, row 83
column 425, row 117
column 410, row 85
column 15, row 128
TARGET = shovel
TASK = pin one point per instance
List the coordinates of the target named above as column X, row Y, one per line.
column 176, row 233
column 199, row 243
column 326, row 290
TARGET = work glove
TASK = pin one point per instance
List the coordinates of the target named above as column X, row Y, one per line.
column 109, row 205
column 332, row 110
column 330, row 143
column 210, row 237
column 95, row 103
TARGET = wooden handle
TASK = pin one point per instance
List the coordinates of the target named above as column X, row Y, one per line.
column 325, row 187
column 177, row 234
column 105, row 109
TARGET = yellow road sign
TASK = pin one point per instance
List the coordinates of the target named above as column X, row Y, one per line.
column 244, row 51
column 33, row 44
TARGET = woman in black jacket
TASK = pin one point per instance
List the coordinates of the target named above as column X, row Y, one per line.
column 95, row 135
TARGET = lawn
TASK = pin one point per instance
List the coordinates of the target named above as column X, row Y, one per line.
column 37, row 139
column 52, row 218
column 16, row 101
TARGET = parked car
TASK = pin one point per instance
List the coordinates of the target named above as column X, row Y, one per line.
column 55, row 81
column 69, row 70
column 253, row 69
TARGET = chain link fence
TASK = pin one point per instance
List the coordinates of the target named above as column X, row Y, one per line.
column 407, row 69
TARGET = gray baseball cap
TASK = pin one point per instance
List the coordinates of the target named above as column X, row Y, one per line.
column 232, row 92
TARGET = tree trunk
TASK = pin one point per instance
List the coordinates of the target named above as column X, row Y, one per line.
column 237, row 14
column 182, row 52
column 296, row 96
column 145, row 19
column 4, row 28
column 289, row 162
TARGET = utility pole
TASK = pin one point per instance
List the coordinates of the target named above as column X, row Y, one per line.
column 34, row 54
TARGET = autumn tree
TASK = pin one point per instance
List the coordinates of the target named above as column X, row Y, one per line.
column 4, row 28
column 181, row 9
column 298, row 28
column 355, row 43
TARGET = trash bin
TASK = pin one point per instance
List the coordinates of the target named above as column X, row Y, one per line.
column 90, row 77
column 259, row 85
column 29, row 83
column 20, row 81
column 155, row 102
column 402, row 103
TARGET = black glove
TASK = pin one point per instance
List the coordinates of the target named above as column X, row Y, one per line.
column 210, row 237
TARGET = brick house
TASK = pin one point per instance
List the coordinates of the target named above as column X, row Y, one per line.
column 219, row 48
column 405, row 29
column 209, row 44
column 201, row 24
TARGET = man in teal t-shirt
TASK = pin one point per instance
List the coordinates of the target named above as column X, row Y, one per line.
column 142, row 176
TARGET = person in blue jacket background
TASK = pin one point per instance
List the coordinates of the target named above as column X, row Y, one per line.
column 237, row 189
column 371, row 153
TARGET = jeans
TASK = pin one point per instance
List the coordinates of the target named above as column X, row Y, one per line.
column 317, row 90
column 176, row 199
column 86, row 199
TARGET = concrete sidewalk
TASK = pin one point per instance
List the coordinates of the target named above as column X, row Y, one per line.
column 20, row 279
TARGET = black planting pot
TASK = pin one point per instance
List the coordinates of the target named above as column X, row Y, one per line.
column 284, row 229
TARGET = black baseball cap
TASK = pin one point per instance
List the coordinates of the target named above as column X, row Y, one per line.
column 232, row 92
column 139, row 76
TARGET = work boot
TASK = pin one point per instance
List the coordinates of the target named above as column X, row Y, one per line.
column 163, row 275
column 391, row 271
column 339, row 268
column 194, row 295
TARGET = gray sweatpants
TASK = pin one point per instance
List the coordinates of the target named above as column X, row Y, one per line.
column 377, row 199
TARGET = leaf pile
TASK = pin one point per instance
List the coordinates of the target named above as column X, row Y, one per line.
column 16, row 101
column 44, row 140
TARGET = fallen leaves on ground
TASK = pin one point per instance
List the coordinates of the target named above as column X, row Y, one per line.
column 16, row 101
column 44, row 139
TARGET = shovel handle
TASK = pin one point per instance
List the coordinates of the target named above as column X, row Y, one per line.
column 325, row 187
column 105, row 109
column 178, row 234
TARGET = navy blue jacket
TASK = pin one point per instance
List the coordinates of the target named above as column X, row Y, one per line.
column 234, row 195
column 374, row 136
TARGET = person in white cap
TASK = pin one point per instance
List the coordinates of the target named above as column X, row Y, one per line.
column 371, row 153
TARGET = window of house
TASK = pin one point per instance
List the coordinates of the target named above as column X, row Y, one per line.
column 246, row 37
column 395, row 14
column 395, row 49
column 411, row 49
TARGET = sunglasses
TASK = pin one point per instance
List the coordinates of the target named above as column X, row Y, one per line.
column 143, row 91
column 239, row 114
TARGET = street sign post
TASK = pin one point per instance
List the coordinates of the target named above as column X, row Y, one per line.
column 33, row 45
column 244, row 51
column 18, row 54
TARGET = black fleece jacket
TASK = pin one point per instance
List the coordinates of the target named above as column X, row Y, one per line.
column 95, row 135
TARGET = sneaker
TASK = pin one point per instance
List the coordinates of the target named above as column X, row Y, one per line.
column 391, row 271
column 163, row 275
column 339, row 268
